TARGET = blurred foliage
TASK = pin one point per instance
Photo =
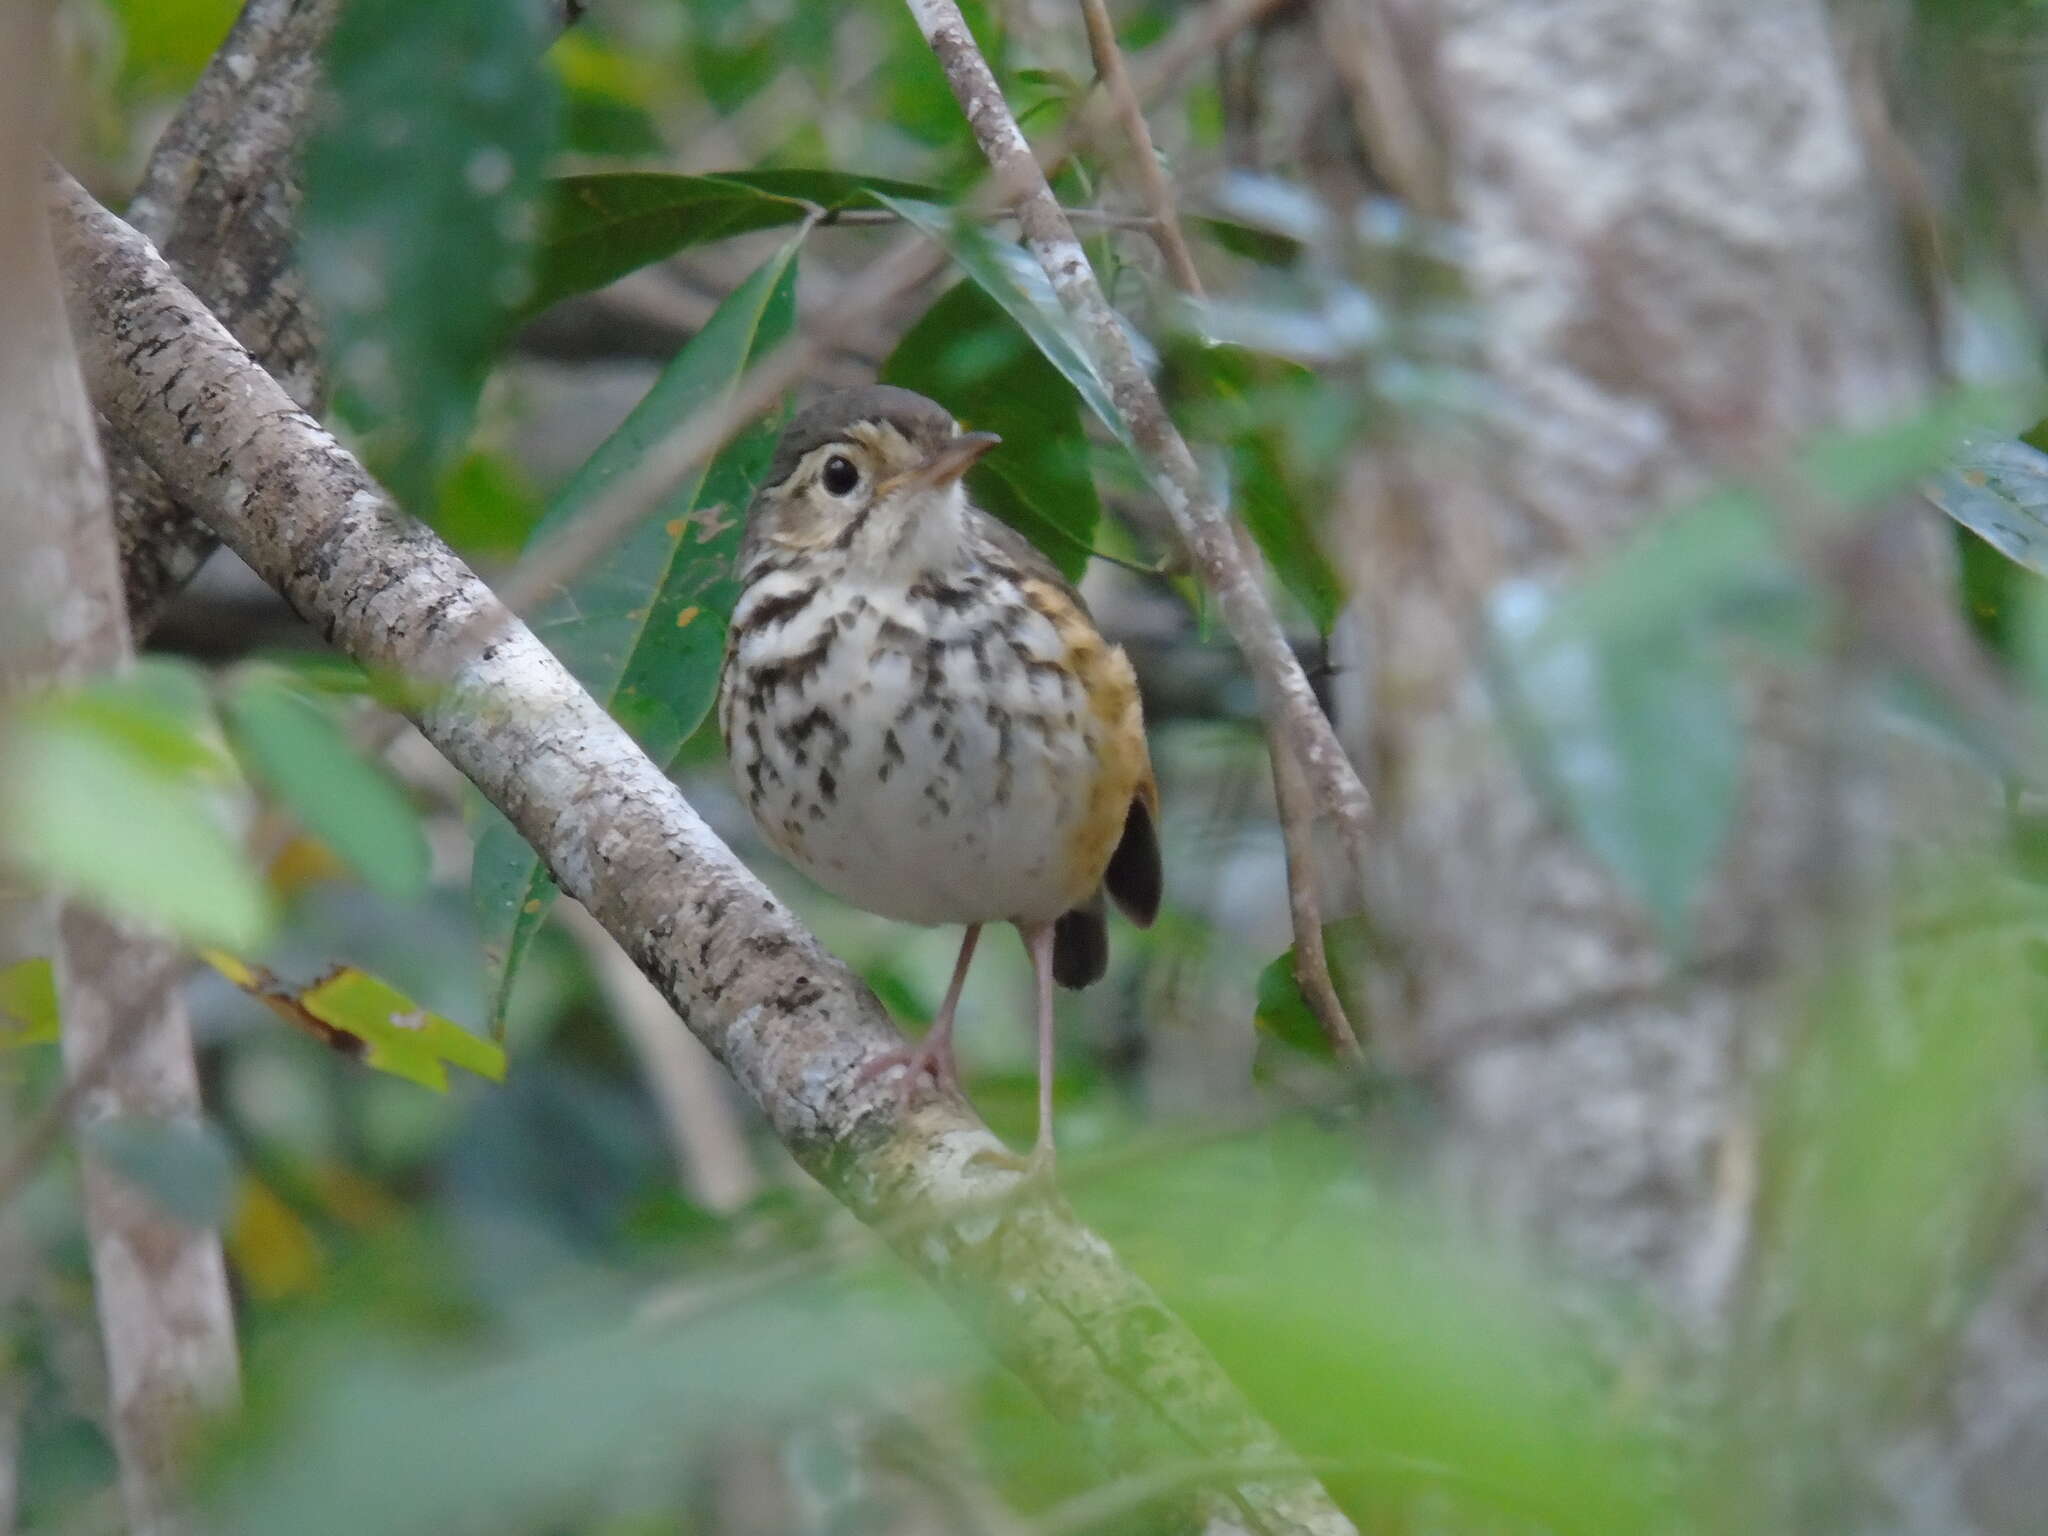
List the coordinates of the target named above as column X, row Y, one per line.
column 426, row 164
column 499, row 1305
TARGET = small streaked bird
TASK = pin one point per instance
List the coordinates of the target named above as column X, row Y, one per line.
column 921, row 714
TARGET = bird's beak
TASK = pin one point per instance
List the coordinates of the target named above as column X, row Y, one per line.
column 952, row 461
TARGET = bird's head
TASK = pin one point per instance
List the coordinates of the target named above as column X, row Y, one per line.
column 872, row 472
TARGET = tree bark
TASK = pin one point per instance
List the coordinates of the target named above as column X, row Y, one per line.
column 1683, row 265
column 220, row 198
column 160, row 1288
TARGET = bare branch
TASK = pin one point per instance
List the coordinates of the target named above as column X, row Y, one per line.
column 1295, row 805
column 791, row 1023
column 1285, row 697
column 1153, row 186
column 1305, row 907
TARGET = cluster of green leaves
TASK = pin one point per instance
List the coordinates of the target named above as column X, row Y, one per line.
column 128, row 792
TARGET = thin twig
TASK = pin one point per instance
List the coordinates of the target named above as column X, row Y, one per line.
column 1304, row 906
column 1290, row 793
column 1153, row 187
column 1227, row 568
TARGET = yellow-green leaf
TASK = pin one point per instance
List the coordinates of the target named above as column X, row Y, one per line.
column 28, row 1003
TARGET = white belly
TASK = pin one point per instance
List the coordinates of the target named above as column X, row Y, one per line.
column 927, row 766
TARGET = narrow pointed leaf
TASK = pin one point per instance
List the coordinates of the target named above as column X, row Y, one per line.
column 644, row 629
column 1998, row 489
column 596, row 228
column 1010, row 276
column 366, row 1018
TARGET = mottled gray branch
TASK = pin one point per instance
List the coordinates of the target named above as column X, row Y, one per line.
column 220, row 198
column 1225, row 565
column 790, row 1022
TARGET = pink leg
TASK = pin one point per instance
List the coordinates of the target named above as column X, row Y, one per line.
column 934, row 1053
column 1039, row 942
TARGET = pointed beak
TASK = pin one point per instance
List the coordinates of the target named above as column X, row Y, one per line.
column 953, row 460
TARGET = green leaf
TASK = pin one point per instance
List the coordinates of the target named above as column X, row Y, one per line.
column 1009, row 275
column 422, row 184
column 183, row 1166
column 296, row 750
column 597, row 228
column 485, row 506
column 968, row 353
column 405, row 1039
column 159, row 710
column 644, row 629
column 1283, row 1012
column 1998, row 489
column 1634, row 733
column 82, row 809
column 28, row 1003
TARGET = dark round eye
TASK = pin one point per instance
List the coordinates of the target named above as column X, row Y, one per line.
column 840, row 475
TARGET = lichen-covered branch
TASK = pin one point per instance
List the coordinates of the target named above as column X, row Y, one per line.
column 1220, row 557
column 791, row 1023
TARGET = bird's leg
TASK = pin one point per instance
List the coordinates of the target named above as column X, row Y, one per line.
column 1039, row 942
column 934, row 1053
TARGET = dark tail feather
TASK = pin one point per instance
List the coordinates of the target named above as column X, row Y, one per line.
column 1080, row 945
column 1134, row 877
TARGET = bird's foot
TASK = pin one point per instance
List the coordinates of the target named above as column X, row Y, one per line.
column 931, row 1057
column 1040, row 1169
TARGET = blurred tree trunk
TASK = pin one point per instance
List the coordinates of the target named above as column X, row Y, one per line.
column 160, row 1286
column 1682, row 264
column 1680, row 267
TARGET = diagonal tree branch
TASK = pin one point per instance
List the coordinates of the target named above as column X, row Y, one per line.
column 792, row 1024
column 1285, row 697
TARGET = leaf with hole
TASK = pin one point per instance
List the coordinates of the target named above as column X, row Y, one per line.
column 644, row 628
column 366, row 1018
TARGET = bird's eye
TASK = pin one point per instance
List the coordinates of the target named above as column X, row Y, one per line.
column 840, row 475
